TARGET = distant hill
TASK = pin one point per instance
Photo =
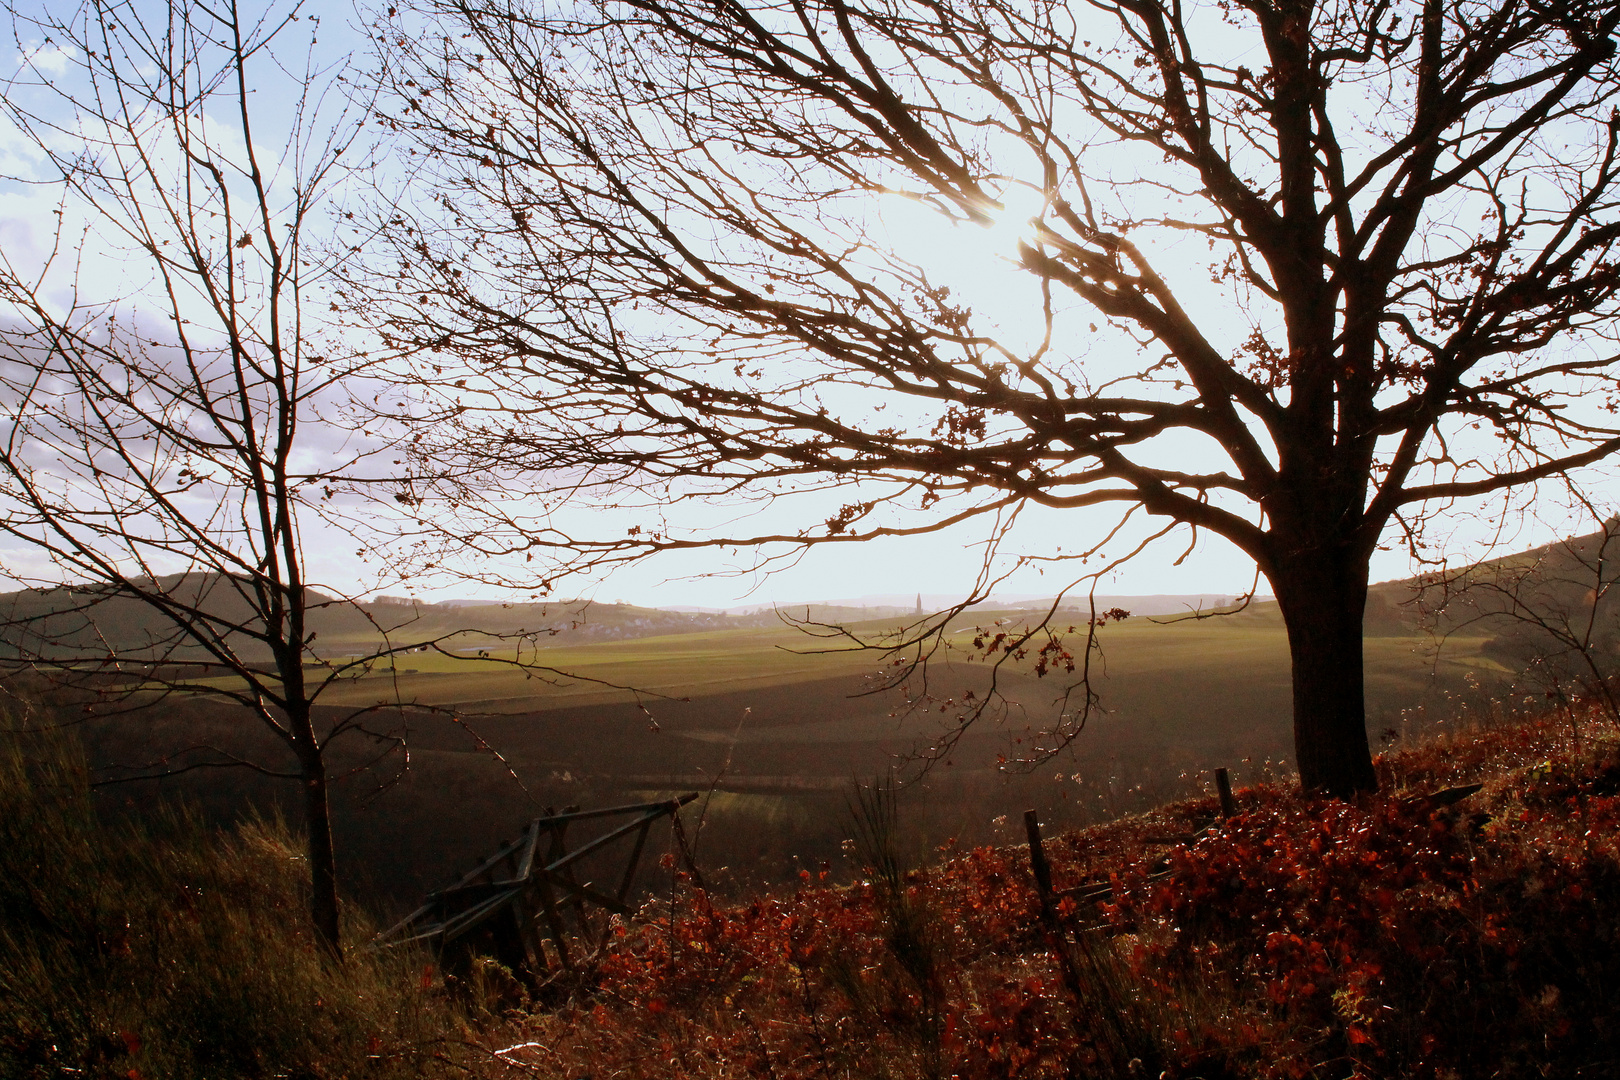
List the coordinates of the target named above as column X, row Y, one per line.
column 67, row 623
column 892, row 605
column 63, row 623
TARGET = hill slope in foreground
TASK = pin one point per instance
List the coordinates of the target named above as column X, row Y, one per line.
column 1392, row 937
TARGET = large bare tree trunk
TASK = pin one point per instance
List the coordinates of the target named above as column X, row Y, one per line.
column 1323, row 597
column 1377, row 255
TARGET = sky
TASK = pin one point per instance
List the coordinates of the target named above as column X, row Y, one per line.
column 975, row 260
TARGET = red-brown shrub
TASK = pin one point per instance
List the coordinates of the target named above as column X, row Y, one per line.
column 1304, row 938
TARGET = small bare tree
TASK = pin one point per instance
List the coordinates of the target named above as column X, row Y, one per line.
column 1552, row 613
column 161, row 456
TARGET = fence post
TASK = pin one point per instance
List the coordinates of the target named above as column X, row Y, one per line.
column 1223, row 785
column 1037, row 858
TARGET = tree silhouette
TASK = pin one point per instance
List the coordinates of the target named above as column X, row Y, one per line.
column 160, row 454
column 1297, row 274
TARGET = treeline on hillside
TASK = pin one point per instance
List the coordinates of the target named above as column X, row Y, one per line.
column 100, row 620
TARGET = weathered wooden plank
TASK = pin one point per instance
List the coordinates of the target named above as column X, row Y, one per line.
column 634, row 861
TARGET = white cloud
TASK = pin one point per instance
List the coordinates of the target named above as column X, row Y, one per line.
column 49, row 58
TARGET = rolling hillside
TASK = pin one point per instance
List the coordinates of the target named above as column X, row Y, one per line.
column 779, row 733
column 73, row 623
column 615, row 703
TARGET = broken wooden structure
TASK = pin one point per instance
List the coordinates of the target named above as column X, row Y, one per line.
column 525, row 905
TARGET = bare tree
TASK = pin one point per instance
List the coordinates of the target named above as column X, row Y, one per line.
column 161, row 456
column 1552, row 614
column 1351, row 261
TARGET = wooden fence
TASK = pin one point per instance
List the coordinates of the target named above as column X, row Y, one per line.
column 525, row 905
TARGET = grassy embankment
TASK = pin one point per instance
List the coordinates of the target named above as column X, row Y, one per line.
column 173, row 951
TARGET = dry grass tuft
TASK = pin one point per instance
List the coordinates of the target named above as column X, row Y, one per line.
column 174, row 951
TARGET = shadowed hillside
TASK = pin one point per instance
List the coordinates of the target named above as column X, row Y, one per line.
column 1296, row 938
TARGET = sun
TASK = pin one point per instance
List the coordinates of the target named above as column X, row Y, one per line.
column 915, row 230
column 1016, row 221
column 978, row 262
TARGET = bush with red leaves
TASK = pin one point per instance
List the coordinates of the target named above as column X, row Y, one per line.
column 1388, row 939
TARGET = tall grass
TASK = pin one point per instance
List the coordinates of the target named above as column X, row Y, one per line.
column 170, row 950
column 909, row 994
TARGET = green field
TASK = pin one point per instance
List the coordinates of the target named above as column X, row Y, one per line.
column 1138, row 655
column 772, row 702
column 756, row 713
column 677, row 665
column 1217, row 683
